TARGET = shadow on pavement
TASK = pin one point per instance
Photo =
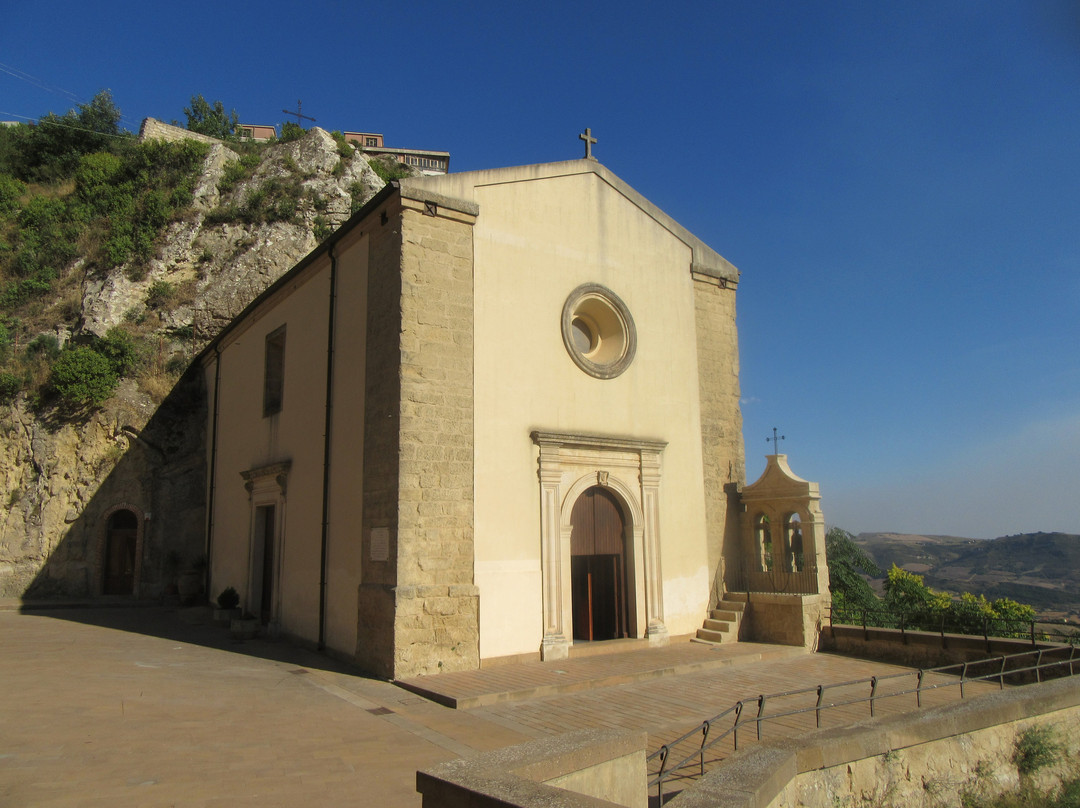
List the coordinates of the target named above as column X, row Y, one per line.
column 192, row 625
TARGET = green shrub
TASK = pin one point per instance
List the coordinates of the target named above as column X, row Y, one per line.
column 43, row 345
column 10, row 385
column 160, row 295
column 228, row 599
column 120, row 348
column 83, row 377
column 1036, row 748
column 291, row 131
column 11, row 190
column 239, row 170
column 321, row 228
column 357, row 192
column 211, row 119
column 389, row 169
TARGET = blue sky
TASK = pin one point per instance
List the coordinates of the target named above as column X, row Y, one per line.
column 899, row 184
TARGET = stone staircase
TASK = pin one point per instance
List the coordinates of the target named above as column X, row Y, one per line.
column 722, row 624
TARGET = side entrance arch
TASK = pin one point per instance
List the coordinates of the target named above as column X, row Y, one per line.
column 598, row 567
column 121, row 550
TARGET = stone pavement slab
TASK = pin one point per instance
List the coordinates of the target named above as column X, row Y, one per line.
column 147, row 707
column 529, row 680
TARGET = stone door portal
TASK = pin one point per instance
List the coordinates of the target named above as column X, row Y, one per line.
column 121, row 539
column 598, row 567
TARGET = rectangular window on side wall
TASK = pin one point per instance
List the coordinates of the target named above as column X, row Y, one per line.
column 274, row 380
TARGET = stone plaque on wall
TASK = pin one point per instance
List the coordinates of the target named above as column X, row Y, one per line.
column 380, row 544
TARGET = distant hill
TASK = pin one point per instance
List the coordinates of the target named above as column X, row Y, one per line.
column 1042, row 569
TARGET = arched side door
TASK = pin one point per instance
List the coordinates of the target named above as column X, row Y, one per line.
column 121, row 538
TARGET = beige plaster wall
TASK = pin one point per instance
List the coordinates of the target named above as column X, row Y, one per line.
column 247, row 440
column 536, row 240
column 344, row 557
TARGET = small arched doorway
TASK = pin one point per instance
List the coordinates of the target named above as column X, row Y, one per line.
column 121, row 542
column 598, row 567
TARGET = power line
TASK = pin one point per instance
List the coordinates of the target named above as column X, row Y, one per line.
column 50, row 122
column 39, row 83
column 43, row 85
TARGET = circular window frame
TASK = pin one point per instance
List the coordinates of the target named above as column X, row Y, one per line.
column 614, row 335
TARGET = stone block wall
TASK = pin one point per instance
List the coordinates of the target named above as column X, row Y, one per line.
column 782, row 619
column 721, row 419
column 419, row 609
column 153, row 129
column 438, row 628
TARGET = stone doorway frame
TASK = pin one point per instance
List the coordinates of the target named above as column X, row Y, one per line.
column 266, row 486
column 103, row 550
column 629, row 468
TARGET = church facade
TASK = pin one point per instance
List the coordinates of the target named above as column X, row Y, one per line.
column 495, row 415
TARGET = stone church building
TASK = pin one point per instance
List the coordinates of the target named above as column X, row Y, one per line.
column 495, row 415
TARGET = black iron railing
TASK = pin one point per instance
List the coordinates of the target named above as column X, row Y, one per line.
column 975, row 625
column 748, row 577
column 751, row 715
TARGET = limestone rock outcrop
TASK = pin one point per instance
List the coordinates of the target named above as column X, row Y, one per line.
column 60, row 476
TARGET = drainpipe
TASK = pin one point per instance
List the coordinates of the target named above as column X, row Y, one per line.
column 326, row 444
column 213, row 470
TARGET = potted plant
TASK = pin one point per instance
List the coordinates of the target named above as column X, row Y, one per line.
column 244, row 627
column 228, row 603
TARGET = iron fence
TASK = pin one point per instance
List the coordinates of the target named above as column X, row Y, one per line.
column 748, row 577
column 975, row 625
column 751, row 715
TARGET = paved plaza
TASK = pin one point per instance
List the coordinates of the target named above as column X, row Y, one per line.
column 151, row 707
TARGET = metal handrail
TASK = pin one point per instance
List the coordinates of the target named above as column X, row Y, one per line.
column 1001, row 671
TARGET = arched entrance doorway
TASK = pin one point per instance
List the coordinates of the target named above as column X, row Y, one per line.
column 121, row 541
column 598, row 567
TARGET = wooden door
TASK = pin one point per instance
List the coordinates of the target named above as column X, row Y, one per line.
column 598, row 567
column 265, row 525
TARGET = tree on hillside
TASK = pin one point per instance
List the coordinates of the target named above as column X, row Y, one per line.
column 211, row 119
column 51, row 148
column 846, row 561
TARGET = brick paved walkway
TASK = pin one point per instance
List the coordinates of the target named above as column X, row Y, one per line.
column 468, row 689
column 106, row 707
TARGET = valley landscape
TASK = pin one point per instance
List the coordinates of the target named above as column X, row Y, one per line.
column 1040, row 569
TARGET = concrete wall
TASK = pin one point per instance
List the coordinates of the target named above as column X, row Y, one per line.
column 923, row 758
column 586, row 768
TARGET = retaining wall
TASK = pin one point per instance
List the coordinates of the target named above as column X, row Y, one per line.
column 583, row 769
column 927, row 758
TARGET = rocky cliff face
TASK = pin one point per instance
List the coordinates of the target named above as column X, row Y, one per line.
column 62, row 479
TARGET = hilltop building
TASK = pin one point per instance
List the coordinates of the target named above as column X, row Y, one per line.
column 496, row 415
column 427, row 161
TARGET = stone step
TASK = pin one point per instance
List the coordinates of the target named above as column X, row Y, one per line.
column 732, row 605
column 711, row 636
column 717, row 625
column 725, row 614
